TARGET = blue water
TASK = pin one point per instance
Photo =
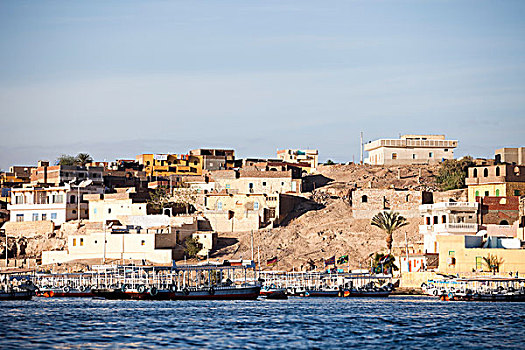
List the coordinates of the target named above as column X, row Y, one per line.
column 395, row 322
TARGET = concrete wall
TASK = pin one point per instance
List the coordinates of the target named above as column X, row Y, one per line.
column 465, row 258
column 28, row 229
column 241, row 221
column 368, row 202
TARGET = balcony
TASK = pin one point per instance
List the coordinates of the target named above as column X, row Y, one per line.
column 451, row 228
column 449, row 205
column 401, row 143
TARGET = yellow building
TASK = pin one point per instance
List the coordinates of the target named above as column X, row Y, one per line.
column 464, row 254
column 502, row 180
column 171, row 164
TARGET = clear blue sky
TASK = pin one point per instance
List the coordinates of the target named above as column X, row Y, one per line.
column 119, row 78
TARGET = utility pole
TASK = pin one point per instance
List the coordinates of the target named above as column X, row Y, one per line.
column 361, row 147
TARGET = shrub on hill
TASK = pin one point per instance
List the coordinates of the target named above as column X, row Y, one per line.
column 452, row 173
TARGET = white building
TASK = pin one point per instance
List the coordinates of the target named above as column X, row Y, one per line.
column 410, row 149
column 308, row 156
column 447, row 218
column 58, row 204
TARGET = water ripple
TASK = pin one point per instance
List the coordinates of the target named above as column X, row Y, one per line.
column 395, row 322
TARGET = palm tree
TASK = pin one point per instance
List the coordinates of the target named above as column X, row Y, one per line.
column 83, row 158
column 389, row 221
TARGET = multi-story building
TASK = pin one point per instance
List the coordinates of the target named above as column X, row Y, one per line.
column 255, row 181
column 111, row 206
column 61, row 174
column 165, row 165
column 509, row 155
column 228, row 212
column 502, row 180
column 55, row 203
column 447, row 218
column 301, row 156
column 410, row 149
column 215, row 159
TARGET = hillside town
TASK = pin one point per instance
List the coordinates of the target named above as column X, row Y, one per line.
column 288, row 213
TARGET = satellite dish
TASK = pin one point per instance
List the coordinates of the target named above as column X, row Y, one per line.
column 481, row 233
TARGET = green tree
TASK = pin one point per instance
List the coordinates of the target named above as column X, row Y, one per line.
column 388, row 221
column 66, row 159
column 452, row 173
column 160, row 198
column 493, row 262
column 82, row 159
column 383, row 262
column 191, row 247
column 329, row 162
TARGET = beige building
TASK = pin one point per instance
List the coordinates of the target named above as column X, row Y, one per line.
column 502, row 180
column 55, row 203
column 307, row 156
column 464, row 254
column 410, row 149
column 229, row 212
column 256, row 181
column 111, row 206
column 515, row 156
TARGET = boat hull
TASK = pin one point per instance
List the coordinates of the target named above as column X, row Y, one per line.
column 20, row 295
column 59, row 293
column 248, row 293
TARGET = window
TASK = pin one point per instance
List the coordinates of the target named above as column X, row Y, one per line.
column 148, row 163
column 82, row 242
column 477, row 193
column 19, row 200
column 430, row 155
column 44, row 217
column 479, row 263
column 497, row 171
column 74, row 211
column 264, row 183
column 428, row 220
column 435, row 220
column 414, row 156
column 227, row 186
column 19, row 217
column 444, row 219
column 446, row 149
column 486, row 193
column 53, row 216
column 394, row 155
column 504, row 222
column 109, row 210
column 74, row 242
column 516, row 192
column 497, row 193
column 95, row 210
column 282, row 183
column 219, row 205
column 364, row 199
column 35, row 216
column 143, row 242
column 256, row 206
column 485, row 172
column 72, row 200
column 475, row 173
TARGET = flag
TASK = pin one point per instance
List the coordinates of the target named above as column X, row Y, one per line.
column 342, row 260
column 271, row 262
column 330, row 261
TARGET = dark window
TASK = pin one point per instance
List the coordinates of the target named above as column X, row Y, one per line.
column 364, row 199
column 435, row 219
column 475, row 173
column 497, row 171
column 485, row 172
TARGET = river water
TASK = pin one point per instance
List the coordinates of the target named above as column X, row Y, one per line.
column 323, row 323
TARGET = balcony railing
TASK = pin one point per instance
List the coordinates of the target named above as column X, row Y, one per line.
column 451, row 205
column 449, row 228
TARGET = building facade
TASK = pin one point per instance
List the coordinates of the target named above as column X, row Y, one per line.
column 306, row 156
column 216, row 159
column 508, row 155
column 255, row 181
column 61, row 174
column 57, row 204
column 165, row 165
column 410, row 149
column 502, row 180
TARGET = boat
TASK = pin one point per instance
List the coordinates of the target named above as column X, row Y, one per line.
column 273, row 292
column 209, row 281
column 483, row 288
column 65, row 292
column 16, row 294
column 15, row 285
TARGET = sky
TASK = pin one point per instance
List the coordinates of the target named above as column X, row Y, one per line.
column 119, row 78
